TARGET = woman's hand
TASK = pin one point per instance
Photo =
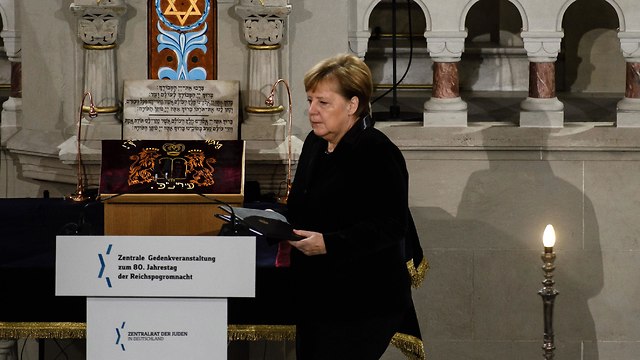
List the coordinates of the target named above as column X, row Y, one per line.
column 312, row 244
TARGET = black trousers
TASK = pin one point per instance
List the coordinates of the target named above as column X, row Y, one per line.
column 362, row 339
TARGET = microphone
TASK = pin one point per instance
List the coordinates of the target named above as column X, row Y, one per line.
column 232, row 221
column 83, row 227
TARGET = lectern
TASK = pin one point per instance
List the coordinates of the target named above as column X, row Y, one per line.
column 157, row 282
column 156, row 297
column 158, row 187
column 167, row 214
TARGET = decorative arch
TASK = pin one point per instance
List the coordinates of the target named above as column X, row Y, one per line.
column 516, row 3
column 463, row 16
column 563, row 10
column 621, row 22
column 10, row 32
column 367, row 14
column 613, row 3
column 6, row 19
column 359, row 32
column 523, row 14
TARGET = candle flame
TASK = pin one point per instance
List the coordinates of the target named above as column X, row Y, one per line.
column 549, row 236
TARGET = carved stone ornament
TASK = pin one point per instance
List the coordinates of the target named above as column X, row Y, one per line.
column 445, row 46
column 263, row 31
column 630, row 45
column 263, row 25
column 98, row 25
column 542, row 46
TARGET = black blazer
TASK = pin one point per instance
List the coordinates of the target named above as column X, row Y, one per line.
column 357, row 197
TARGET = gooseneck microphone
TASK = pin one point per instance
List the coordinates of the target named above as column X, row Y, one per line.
column 232, row 218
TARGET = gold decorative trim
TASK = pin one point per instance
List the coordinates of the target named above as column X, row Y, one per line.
column 417, row 273
column 264, row 47
column 265, row 109
column 102, row 110
column 99, row 47
column 411, row 346
column 261, row 332
column 42, row 330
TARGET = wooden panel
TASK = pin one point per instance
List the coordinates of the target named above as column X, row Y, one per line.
column 182, row 40
column 165, row 215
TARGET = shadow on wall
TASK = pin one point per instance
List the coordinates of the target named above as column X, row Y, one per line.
column 591, row 59
column 486, row 267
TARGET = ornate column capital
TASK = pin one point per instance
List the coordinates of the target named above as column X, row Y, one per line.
column 263, row 20
column 359, row 42
column 542, row 46
column 445, row 46
column 630, row 45
column 98, row 21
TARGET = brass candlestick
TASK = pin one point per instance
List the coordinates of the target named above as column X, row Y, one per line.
column 269, row 102
column 79, row 195
column 548, row 292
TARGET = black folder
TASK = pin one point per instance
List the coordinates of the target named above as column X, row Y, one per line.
column 270, row 224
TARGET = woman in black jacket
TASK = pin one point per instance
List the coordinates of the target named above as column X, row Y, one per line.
column 349, row 200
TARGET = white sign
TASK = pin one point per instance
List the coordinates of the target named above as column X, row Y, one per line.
column 181, row 110
column 160, row 266
column 156, row 328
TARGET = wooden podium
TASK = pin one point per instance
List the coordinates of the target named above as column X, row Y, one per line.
column 158, row 187
column 166, row 214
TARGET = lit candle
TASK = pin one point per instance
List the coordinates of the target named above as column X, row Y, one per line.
column 549, row 239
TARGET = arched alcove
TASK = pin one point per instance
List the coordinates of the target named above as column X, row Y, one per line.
column 5, row 64
column 413, row 63
column 591, row 68
column 494, row 58
column 592, row 60
column 494, row 66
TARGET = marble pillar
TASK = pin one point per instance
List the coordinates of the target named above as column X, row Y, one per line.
column 8, row 349
column 445, row 108
column 628, row 111
column 632, row 89
column 264, row 127
column 263, row 31
column 542, row 108
column 12, row 108
column 446, row 82
column 542, row 80
column 98, row 27
column 98, row 24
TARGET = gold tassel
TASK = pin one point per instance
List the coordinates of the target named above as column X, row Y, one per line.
column 261, row 332
column 42, row 330
column 75, row 330
column 410, row 346
column 417, row 274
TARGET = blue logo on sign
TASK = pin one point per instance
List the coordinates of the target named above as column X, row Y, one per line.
column 119, row 336
column 103, row 266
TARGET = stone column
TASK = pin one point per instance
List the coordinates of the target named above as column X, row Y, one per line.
column 98, row 23
column 98, row 27
column 12, row 108
column 445, row 108
column 263, row 127
column 542, row 108
column 263, row 32
column 8, row 349
column 629, row 108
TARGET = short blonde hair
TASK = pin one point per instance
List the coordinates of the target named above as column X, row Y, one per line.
column 352, row 75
